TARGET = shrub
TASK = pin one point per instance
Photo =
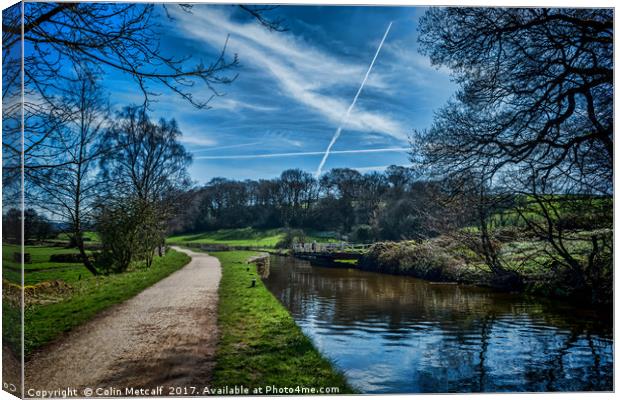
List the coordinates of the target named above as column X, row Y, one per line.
column 129, row 230
column 116, row 226
column 291, row 237
column 362, row 233
column 420, row 259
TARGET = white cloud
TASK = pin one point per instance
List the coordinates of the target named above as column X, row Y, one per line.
column 301, row 71
column 197, row 140
column 230, row 104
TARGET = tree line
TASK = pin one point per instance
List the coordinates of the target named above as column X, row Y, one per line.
column 390, row 205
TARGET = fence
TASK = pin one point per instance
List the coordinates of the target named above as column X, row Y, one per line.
column 328, row 247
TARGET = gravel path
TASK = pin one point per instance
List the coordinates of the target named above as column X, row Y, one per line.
column 166, row 335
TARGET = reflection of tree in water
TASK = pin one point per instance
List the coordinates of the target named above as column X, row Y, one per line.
column 397, row 299
column 578, row 364
column 484, row 346
column 461, row 339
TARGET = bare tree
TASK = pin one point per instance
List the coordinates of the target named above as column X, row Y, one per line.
column 122, row 37
column 577, row 227
column 149, row 161
column 149, row 167
column 536, row 84
column 298, row 189
column 64, row 182
column 11, row 114
column 535, row 100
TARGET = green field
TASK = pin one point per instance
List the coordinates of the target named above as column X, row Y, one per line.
column 40, row 268
column 260, row 343
column 88, row 236
column 246, row 237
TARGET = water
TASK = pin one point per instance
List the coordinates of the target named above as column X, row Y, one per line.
column 394, row 334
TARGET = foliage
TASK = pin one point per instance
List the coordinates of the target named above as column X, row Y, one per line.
column 539, row 268
column 291, row 237
column 392, row 203
column 420, row 259
column 150, row 233
column 66, row 258
column 260, row 343
column 117, row 229
column 128, row 231
column 363, row 233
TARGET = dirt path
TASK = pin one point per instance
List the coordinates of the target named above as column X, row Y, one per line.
column 166, row 335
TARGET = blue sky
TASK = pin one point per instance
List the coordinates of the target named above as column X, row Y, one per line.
column 294, row 87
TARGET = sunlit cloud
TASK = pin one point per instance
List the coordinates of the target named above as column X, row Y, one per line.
column 301, row 72
column 229, row 104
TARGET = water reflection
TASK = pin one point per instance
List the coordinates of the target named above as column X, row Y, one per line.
column 398, row 334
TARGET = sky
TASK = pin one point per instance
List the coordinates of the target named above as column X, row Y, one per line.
column 293, row 89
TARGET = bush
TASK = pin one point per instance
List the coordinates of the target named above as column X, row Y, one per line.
column 116, row 226
column 129, row 230
column 420, row 259
column 362, row 233
column 291, row 237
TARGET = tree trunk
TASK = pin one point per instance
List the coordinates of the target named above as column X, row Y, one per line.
column 85, row 260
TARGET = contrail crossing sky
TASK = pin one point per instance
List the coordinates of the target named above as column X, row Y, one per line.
column 348, row 113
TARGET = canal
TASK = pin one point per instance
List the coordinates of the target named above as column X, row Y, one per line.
column 395, row 334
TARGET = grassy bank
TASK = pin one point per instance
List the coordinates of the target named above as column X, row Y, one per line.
column 66, row 296
column 451, row 260
column 260, row 343
column 243, row 237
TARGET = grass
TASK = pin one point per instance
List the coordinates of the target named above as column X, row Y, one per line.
column 351, row 262
column 245, row 237
column 11, row 326
column 260, row 343
column 89, row 237
column 40, row 269
column 90, row 295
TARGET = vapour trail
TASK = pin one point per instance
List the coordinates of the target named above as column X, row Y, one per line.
column 304, row 153
column 348, row 113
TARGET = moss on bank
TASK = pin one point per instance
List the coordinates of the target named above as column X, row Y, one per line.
column 260, row 344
